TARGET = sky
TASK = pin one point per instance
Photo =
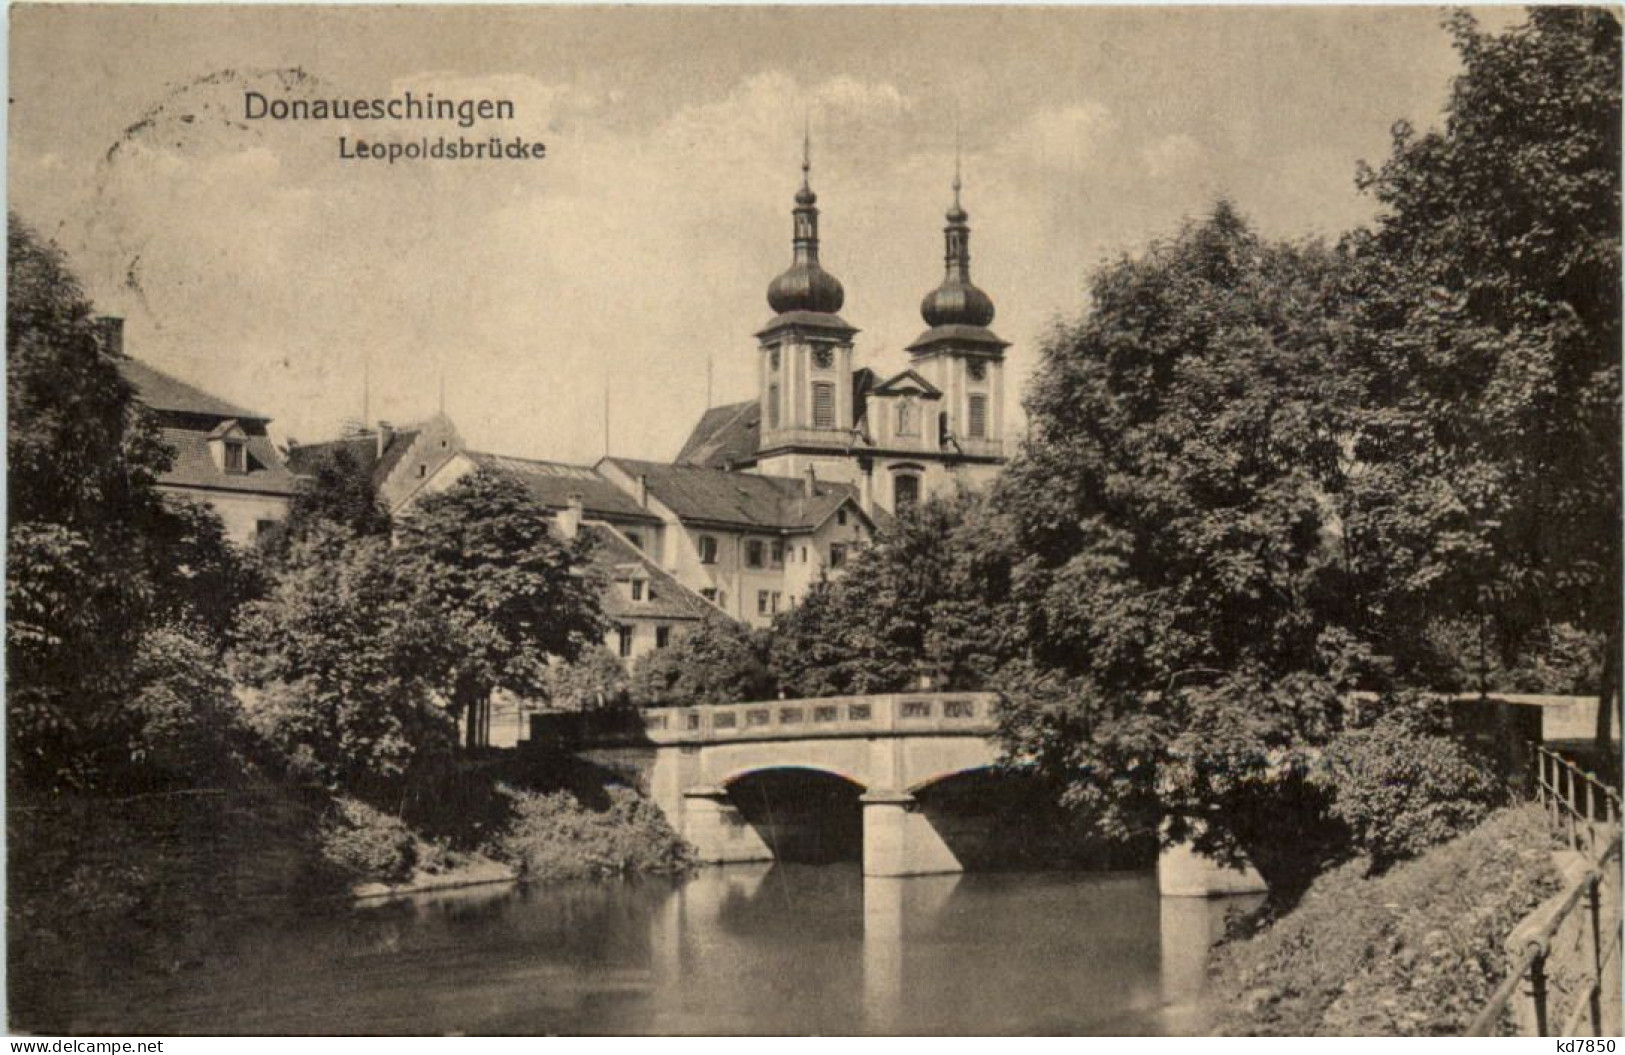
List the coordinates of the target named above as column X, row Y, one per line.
column 632, row 263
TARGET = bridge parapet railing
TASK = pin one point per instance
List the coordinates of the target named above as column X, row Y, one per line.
column 827, row 716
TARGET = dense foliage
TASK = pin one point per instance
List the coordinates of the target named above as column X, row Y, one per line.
column 506, row 595
column 1490, row 334
column 1408, row 781
column 340, row 658
column 96, row 560
column 929, row 599
column 557, row 836
column 718, row 661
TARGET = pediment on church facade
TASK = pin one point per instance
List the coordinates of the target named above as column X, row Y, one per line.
column 908, row 383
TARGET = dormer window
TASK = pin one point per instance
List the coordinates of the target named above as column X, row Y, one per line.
column 228, row 447
column 637, row 589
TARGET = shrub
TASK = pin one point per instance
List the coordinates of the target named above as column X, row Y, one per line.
column 1403, row 783
column 187, row 720
column 368, row 844
column 556, row 836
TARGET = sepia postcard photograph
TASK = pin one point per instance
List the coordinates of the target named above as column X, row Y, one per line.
column 803, row 520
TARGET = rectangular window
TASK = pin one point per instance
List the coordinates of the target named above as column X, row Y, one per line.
column 662, row 636
column 709, row 593
column 263, row 528
column 773, row 406
column 636, row 538
column 724, row 720
column 236, row 458
column 959, row 708
column 978, row 417
column 916, row 709
column 761, row 602
column 754, row 553
column 823, row 405
column 778, row 553
column 840, row 517
column 859, row 712
column 789, row 715
column 637, row 589
column 624, row 635
column 826, row 714
column 708, row 549
column 775, row 602
column 837, row 555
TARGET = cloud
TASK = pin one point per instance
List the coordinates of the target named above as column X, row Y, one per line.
column 1073, row 138
column 1173, row 156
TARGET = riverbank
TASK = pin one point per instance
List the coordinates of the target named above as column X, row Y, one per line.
column 151, row 889
column 1415, row 951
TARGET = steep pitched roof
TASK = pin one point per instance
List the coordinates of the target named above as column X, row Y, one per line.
column 552, row 484
column 159, row 391
column 770, row 503
column 305, row 457
column 726, row 435
column 195, row 466
column 666, row 598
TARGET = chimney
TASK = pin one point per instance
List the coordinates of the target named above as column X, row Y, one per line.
column 386, row 432
column 810, row 482
column 110, row 331
column 569, row 518
column 643, row 490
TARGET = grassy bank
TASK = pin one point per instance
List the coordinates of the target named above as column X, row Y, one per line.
column 1413, row 952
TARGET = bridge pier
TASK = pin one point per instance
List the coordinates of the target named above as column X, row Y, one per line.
column 714, row 827
column 898, row 839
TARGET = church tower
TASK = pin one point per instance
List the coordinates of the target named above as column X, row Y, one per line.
column 958, row 353
column 806, row 358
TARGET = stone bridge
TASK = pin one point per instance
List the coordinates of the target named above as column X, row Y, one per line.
column 709, row 763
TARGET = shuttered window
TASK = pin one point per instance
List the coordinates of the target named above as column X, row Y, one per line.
column 978, row 417
column 823, row 406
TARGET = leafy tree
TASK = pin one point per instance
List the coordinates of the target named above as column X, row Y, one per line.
column 1490, row 332
column 190, row 726
column 719, row 661
column 596, row 680
column 507, row 595
column 1188, row 572
column 82, row 457
column 341, row 660
column 340, row 491
column 932, row 596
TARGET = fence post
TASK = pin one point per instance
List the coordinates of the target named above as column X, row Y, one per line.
column 1595, row 897
column 1537, row 991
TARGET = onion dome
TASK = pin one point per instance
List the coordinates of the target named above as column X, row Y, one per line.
column 957, row 302
column 806, row 286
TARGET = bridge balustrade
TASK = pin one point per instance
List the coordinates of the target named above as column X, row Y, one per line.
column 969, row 713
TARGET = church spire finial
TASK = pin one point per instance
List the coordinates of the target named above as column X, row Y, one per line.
column 806, row 286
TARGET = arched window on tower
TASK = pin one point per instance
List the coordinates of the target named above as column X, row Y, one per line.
column 905, row 492
column 773, row 406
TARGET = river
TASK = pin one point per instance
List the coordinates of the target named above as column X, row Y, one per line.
column 741, row 950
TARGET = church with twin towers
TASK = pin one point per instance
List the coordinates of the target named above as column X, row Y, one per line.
column 934, row 429
column 767, row 497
